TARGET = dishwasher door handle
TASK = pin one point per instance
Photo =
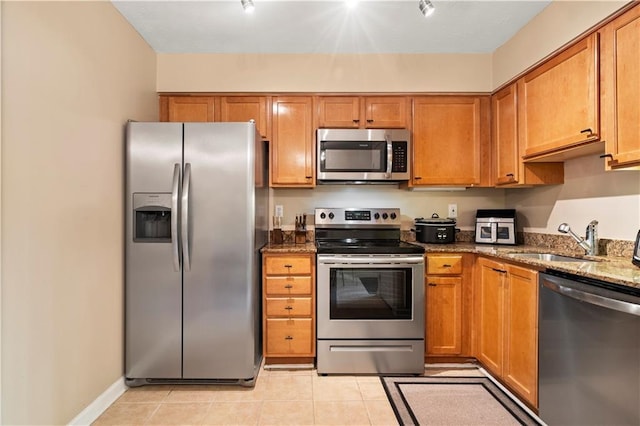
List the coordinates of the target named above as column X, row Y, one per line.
column 592, row 298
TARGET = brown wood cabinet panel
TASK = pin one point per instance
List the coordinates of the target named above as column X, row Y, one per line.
column 444, row 264
column 520, row 370
column 449, row 133
column 339, row 111
column 508, row 165
column 288, row 265
column 188, row 108
column 288, row 307
column 277, row 286
column 386, row 112
column 443, row 315
column 620, row 80
column 292, row 147
column 490, row 314
column 558, row 102
column 245, row 108
column 288, row 337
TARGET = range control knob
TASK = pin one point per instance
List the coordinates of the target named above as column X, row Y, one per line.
column 385, row 216
column 331, row 215
column 376, row 216
column 322, row 215
column 393, row 215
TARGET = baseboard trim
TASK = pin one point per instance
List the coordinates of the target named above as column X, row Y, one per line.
column 100, row 404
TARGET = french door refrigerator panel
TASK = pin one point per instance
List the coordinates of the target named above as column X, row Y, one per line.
column 154, row 285
column 219, row 272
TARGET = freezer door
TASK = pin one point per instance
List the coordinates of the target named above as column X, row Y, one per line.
column 220, row 285
column 153, row 293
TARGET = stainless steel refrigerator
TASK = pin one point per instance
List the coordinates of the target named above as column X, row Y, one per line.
column 196, row 218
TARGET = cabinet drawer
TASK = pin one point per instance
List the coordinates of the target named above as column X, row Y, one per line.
column 288, row 307
column 289, row 337
column 446, row 265
column 287, row 286
column 288, row 265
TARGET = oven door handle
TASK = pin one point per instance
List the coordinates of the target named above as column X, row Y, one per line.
column 371, row 261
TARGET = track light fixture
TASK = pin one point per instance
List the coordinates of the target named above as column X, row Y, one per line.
column 248, row 6
column 426, row 7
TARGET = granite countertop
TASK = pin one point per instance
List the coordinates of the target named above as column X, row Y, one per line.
column 615, row 270
column 308, row 247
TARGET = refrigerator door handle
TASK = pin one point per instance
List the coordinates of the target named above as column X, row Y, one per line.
column 185, row 216
column 175, row 244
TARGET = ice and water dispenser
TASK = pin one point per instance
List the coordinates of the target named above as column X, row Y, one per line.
column 152, row 217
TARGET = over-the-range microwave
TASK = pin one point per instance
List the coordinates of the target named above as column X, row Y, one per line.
column 363, row 155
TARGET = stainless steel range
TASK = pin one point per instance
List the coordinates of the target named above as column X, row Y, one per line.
column 370, row 294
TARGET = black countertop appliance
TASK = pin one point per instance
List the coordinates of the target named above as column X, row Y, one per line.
column 435, row 230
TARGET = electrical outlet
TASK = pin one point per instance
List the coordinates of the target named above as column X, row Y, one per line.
column 453, row 211
column 279, row 210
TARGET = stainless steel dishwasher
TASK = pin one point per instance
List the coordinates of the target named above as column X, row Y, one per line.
column 589, row 351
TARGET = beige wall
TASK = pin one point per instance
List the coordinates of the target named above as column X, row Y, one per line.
column 323, row 73
column 73, row 73
column 556, row 25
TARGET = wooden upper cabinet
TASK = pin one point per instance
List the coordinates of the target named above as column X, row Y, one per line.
column 245, row 108
column 451, row 140
column 558, row 102
column 509, row 169
column 371, row 112
column 386, row 112
column 188, row 108
column 292, row 147
column 620, row 80
column 339, row 112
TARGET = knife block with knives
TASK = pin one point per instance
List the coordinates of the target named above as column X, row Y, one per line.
column 301, row 229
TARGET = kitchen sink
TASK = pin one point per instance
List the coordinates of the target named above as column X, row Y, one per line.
column 549, row 257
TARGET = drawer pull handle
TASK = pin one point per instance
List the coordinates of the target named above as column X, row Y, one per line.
column 288, row 266
column 502, row 271
column 288, row 286
column 607, row 156
column 369, row 121
column 432, row 284
column 355, row 120
column 588, row 131
column 510, row 175
column 288, row 308
column 289, row 338
column 446, row 265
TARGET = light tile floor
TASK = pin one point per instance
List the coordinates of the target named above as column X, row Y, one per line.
column 289, row 397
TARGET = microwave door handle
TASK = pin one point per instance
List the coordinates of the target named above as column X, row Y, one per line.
column 389, row 155
column 494, row 232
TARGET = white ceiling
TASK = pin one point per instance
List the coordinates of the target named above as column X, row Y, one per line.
column 322, row 26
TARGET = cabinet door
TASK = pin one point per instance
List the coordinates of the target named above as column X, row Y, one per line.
column 385, row 112
column 448, row 132
column 245, row 108
column 292, row 145
column 505, row 135
column 558, row 101
column 289, row 337
column 443, row 297
column 188, row 108
column 339, row 112
column 620, row 79
column 520, row 369
column 490, row 314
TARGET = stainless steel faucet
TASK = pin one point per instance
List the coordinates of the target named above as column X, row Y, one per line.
column 590, row 243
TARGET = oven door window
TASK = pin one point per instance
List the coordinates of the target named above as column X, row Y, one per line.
column 504, row 232
column 353, row 156
column 370, row 293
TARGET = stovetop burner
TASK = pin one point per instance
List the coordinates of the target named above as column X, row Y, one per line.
column 361, row 231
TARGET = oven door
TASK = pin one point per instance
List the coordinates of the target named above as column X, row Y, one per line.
column 486, row 232
column 370, row 297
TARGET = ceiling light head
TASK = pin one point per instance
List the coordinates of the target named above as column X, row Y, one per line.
column 426, row 7
column 248, row 6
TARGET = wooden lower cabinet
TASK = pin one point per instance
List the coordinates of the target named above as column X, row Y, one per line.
column 447, row 305
column 288, row 307
column 506, row 325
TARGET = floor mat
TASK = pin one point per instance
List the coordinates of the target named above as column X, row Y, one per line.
column 452, row 401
